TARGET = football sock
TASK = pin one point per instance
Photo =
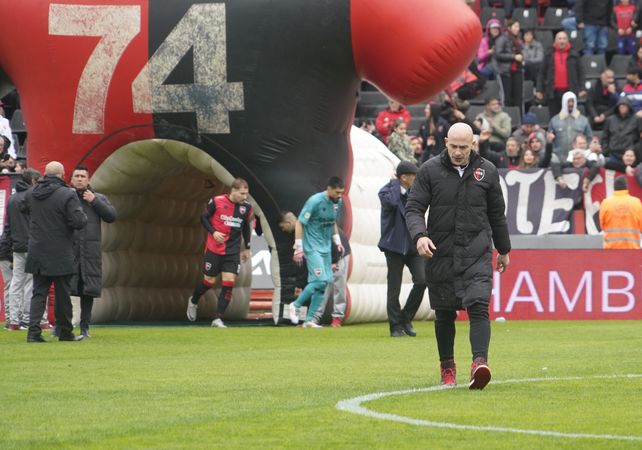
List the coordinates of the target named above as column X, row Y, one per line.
column 201, row 288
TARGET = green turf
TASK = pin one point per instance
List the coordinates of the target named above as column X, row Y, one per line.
column 275, row 387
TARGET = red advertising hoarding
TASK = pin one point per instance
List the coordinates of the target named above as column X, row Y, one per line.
column 569, row 285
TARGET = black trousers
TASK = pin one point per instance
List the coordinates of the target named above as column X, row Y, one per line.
column 86, row 304
column 513, row 85
column 555, row 103
column 62, row 309
column 479, row 331
column 416, row 264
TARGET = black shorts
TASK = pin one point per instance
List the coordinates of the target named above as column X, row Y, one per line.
column 214, row 263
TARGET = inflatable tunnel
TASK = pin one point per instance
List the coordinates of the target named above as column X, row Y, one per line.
column 168, row 101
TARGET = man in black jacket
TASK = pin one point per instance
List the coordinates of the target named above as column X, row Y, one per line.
column 466, row 217
column 87, row 280
column 16, row 230
column 396, row 244
column 55, row 214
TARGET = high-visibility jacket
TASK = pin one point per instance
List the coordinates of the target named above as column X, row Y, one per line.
column 621, row 220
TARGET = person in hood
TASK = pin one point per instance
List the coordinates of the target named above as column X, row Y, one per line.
column 566, row 125
column 55, row 213
column 87, row 280
column 621, row 131
column 561, row 72
column 16, row 231
column 486, row 50
column 466, row 219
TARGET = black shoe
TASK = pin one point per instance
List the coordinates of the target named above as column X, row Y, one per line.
column 409, row 330
column 36, row 339
column 397, row 332
column 71, row 338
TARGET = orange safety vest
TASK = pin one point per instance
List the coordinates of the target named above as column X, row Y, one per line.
column 621, row 220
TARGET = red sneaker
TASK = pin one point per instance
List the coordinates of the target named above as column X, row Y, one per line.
column 449, row 376
column 336, row 322
column 479, row 374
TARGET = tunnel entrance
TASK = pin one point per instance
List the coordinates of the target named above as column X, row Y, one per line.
column 152, row 254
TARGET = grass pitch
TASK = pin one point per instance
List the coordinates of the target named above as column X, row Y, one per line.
column 277, row 387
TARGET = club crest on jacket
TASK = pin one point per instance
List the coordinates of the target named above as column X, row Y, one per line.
column 479, row 174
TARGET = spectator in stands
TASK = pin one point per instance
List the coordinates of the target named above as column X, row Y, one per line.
column 566, row 125
column 5, row 131
column 388, row 116
column 593, row 18
column 528, row 126
column 537, row 142
column 621, row 218
column 578, row 159
column 399, row 143
column 633, row 89
column 433, row 131
column 622, row 21
column 498, row 122
column 601, row 99
column 561, row 71
column 416, row 145
column 509, row 60
column 369, row 126
column 592, row 151
column 503, row 159
column 507, row 5
column 533, row 51
column 8, row 164
column 486, row 49
column 621, row 131
column 21, row 165
column 627, row 164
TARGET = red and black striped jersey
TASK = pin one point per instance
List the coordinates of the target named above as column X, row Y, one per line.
column 233, row 219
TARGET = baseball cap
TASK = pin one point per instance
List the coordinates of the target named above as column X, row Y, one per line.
column 406, row 167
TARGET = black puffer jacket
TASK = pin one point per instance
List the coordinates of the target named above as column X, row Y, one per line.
column 465, row 213
column 87, row 245
column 18, row 218
column 620, row 132
column 55, row 214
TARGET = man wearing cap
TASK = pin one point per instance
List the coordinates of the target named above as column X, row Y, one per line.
column 621, row 218
column 400, row 251
column 529, row 125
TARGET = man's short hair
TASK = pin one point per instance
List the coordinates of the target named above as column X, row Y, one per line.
column 29, row 175
column 579, row 136
column 620, row 183
column 283, row 216
column 490, row 99
column 81, row 167
column 239, row 183
column 335, row 182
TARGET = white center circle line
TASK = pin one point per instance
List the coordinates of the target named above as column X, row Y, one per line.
column 354, row 405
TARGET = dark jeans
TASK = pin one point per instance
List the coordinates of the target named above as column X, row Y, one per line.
column 417, row 266
column 479, row 331
column 86, row 304
column 62, row 306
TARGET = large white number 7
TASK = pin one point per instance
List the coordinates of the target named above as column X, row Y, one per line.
column 116, row 26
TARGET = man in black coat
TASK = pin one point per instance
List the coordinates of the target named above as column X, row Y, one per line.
column 400, row 251
column 466, row 217
column 55, row 214
column 16, row 230
column 87, row 280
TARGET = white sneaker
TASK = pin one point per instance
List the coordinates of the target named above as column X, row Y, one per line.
column 218, row 323
column 294, row 314
column 191, row 310
column 311, row 324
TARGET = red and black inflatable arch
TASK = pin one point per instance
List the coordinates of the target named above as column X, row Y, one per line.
column 267, row 89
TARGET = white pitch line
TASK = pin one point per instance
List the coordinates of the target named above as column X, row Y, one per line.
column 353, row 405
